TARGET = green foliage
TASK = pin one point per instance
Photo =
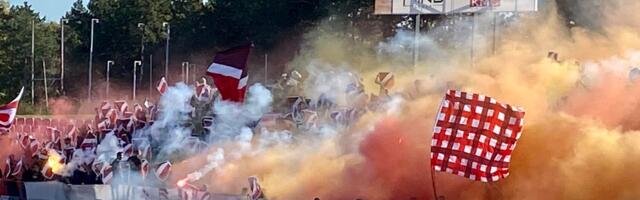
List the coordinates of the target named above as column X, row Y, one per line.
column 196, row 28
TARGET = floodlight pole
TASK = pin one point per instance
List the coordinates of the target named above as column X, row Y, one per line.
column 93, row 22
column 135, row 77
column 33, row 60
column 166, row 52
column 141, row 26
column 46, row 91
column 109, row 63
column 62, row 22
column 415, row 41
column 473, row 31
column 150, row 74
column 185, row 71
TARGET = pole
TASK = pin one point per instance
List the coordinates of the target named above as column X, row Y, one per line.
column 266, row 66
column 33, row 60
column 141, row 27
column 135, row 77
column 93, row 22
column 473, row 30
column 185, row 71
column 415, row 41
column 46, row 91
column 494, row 32
column 187, row 74
column 433, row 183
column 109, row 63
column 166, row 50
column 150, row 74
column 62, row 22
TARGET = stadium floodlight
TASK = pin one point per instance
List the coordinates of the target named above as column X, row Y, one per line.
column 93, row 22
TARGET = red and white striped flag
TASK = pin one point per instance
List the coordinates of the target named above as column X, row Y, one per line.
column 192, row 192
column 128, row 150
column 105, row 106
column 73, row 134
column 89, row 142
column 24, row 140
column 121, row 106
column 17, row 168
column 54, row 135
column 162, row 85
column 385, row 80
column 34, row 146
column 144, row 168
column 255, row 190
column 97, row 167
column 8, row 167
column 229, row 72
column 8, row 112
column 107, row 173
column 474, row 136
column 47, row 172
column 163, row 171
column 147, row 152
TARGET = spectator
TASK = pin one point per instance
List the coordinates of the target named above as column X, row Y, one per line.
column 116, row 165
column 68, row 149
column 33, row 174
column 135, row 162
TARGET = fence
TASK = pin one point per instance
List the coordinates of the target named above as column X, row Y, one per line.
column 59, row 191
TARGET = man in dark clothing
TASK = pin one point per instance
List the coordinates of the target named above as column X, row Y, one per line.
column 135, row 162
column 33, row 174
column 115, row 165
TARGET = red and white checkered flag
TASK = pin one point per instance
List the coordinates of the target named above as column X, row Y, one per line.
column 474, row 136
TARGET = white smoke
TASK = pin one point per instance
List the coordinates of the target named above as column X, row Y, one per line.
column 232, row 118
column 108, row 147
column 213, row 161
column 231, row 127
column 172, row 127
column 330, row 81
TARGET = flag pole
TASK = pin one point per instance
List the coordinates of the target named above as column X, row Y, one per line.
column 433, row 183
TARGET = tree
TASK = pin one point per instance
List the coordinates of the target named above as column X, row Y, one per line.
column 15, row 39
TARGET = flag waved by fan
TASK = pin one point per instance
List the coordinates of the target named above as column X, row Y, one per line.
column 255, row 192
column 229, row 72
column 8, row 112
column 474, row 136
column 162, row 86
column 163, row 171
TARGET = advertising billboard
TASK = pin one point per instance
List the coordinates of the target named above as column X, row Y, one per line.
column 407, row 7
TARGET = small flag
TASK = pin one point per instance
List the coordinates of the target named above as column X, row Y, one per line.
column 474, row 136
column 34, row 147
column 97, row 168
column 163, row 171
column 162, row 86
column 255, row 190
column 385, row 80
column 147, row 152
column 8, row 166
column 24, row 140
column 144, row 168
column 122, row 107
column 17, row 168
column 47, row 172
column 229, row 72
column 107, row 173
column 128, row 150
